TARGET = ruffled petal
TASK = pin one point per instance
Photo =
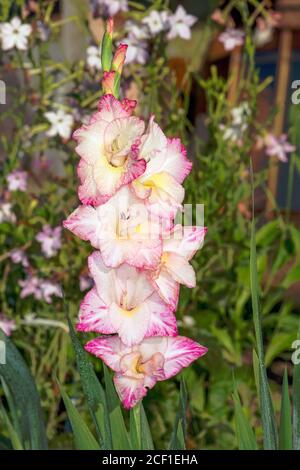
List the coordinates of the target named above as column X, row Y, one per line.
column 178, row 352
column 93, row 315
column 110, row 108
column 163, row 320
column 181, row 352
column 110, row 349
column 173, row 160
column 153, row 142
column 130, row 390
column 166, row 286
column 180, row 269
column 85, row 223
column 185, row 241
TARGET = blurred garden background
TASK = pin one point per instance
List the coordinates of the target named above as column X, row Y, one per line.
column 222, row 76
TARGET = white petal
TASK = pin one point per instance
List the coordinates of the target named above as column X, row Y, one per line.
column 180, row 270
column 131, row 326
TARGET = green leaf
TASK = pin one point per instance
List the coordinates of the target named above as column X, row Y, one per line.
column 5, row 443
column 140, row 434
column 285, row 428
column 279, row 342
column 111, row 394
column 292, row 276
column 266, row 405
column 256, row 372
column 177, row 439
column 119, row 432
column 147, row 441
column 267, row 233
column 180, row 439
column 24, row 398
column 15, row 441
column 244, row 433
column 84, row 439
column 296, row 405
column 120, row 438
column 93, row 391
column 135, row 427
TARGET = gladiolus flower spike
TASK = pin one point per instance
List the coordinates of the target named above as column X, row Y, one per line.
column 130, row 190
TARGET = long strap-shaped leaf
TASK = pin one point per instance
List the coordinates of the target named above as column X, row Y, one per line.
column 120, row 438
column 244, row 433
column 14, row 437
column 24, row 397
column 94, row 393
column 84, row 439
column 285, row 428
column 266, row 405
column 296, row 404
column 179, row 430
column 140, row 434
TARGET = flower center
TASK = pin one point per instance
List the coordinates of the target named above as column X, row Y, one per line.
column 115, row 156
column 129, row 226
column 151, row 366
column 122, row 226
column 124, row 304
column 164, row 258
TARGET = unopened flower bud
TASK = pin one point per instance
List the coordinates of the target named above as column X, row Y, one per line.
column 108, row 82
column 106, row 52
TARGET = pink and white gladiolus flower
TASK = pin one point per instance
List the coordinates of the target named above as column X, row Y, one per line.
column 123, row 301
column 174, row 267
column 130, row 191
column 108, row 147
column 122, row 230
column 139, row 367
column 167, row 167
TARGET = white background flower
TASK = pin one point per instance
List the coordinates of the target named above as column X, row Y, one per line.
column 156, row 21
column 137, row 30
column 17, row 181
column 232, row 38
column 94, row 57
column 112, row 7
column 180, row 24
column 137, row 50
column 15, row 34
column 239, row 124
column 61, row 123
column 137, row 42
column 6, row 214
